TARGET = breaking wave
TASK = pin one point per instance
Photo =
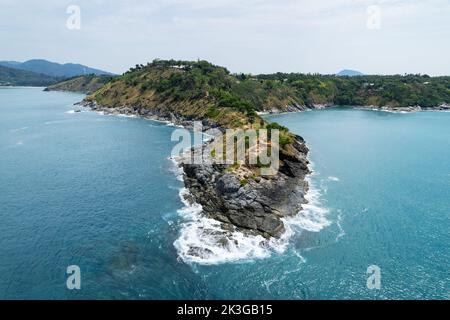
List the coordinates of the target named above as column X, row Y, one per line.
column 202, row 240
column 313, row 217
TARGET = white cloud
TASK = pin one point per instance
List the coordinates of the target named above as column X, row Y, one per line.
column 251, row 36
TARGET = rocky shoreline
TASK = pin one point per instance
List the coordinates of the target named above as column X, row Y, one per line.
column 156, row 114
column 253, row 205
column 298, row 108
column 442, row 107
column 238, row 200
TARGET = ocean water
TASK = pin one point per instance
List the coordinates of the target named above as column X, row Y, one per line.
column 100, row 192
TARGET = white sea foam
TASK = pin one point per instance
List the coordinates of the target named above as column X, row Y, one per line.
column 313, row 217
column 126, row 115
column 300, row 257
column 55, row 122
column 203, row 241
column 331, row 178
column 167, row 122
column 176, row 169
column 339, row 224
column 171, row 124
column 70, row 111
column 19, row 129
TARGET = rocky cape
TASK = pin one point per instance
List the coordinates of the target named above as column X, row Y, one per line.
column 258, row 205
column 255, row 205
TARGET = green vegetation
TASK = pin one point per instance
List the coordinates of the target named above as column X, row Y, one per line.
column 15, row 77
column 215, row 92
column 285, row 137
column 195, row 90
column 199, row 90
column 243, row 182
column 275, row 125
column 53, row 69
column 85, row 84
column 394, row 91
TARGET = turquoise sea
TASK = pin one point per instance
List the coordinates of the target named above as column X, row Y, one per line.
column 100, row 192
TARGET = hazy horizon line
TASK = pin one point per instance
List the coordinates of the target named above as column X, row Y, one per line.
column 231, row 71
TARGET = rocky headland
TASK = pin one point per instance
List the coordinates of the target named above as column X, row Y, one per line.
column 238, row 196
column 235, row 195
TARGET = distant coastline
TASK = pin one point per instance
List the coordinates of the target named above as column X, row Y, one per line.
column 442, row 107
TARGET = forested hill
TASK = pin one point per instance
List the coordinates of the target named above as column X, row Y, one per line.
column 16, row 77
column 365, row 90
column 84, row 84
column 196, row 90
column 53, row 69
column 182, row 91
column 202, row 88
column 189, row 91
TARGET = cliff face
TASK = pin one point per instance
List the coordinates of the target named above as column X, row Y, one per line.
column 254, row 204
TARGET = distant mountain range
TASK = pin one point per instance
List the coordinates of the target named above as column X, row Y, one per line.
column 53, row 69
column 39, row 72
column 349, row 73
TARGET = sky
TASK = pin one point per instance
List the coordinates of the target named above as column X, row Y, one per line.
column 250, row 36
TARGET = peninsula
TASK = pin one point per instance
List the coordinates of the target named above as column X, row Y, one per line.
column 237, row 194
